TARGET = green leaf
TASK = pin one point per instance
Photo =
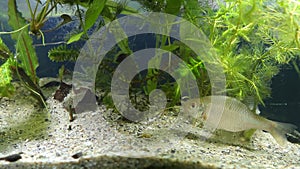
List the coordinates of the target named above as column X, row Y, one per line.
column 6, row 88
column 26, row 52
column 106, row 14
column 61, row 72
column 126, row 9
column 93, row 13
column 4, row 51
column 120, row 37
column 62, row 53
column 151, row 83
column 173, row 6
column 91, row 16
column 75, row 38
column 41, row 15
column 193, row 9
column 171, row 47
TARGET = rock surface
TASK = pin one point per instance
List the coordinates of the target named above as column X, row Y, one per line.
column 47, row 139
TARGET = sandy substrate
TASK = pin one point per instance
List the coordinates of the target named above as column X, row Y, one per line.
column 47, row 139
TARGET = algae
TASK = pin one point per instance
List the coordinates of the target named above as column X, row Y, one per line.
column 32, row 128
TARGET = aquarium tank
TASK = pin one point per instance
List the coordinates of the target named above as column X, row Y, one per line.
column 149, row 83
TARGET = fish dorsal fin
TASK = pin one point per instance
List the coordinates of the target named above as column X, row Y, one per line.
column 250, row 102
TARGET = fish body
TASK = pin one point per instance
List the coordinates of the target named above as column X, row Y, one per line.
column 232, row 115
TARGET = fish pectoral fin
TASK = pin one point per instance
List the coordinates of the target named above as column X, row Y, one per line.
column 278, row 131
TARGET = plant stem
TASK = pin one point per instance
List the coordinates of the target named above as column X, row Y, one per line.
column 15, row 31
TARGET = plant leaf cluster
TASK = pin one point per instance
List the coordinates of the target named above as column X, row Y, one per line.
column 23, row 63
column 63, row 53
column 253, row 38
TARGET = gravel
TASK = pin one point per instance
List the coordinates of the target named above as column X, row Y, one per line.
column 47, row 139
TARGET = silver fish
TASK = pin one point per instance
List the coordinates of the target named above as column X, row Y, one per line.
column 235, row 116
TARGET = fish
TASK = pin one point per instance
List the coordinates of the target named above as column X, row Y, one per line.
column 12, row 158
column 230, row 114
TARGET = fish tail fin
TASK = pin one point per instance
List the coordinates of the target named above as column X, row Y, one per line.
column 278, row 131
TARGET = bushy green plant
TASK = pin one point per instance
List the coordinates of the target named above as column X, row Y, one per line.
column 253, row 38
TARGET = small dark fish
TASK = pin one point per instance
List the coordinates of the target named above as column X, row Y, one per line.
column 236, row 116
column 12, row 158
column 77, row 155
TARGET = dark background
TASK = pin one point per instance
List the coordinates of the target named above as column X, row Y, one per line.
column 284, row 104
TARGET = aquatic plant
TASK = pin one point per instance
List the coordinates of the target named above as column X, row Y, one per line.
column 63, row 53
column 252, row 38
column 23, row 63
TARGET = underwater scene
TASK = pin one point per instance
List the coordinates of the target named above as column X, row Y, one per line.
column 149, row 84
